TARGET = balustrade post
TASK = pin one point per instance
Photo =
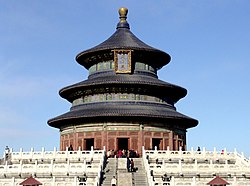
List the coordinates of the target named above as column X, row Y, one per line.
column 75, row 180
column 225, row 151
column 54, row 181
column 235, row 181
column 67, row 151
column 194, row 181
column 155, row 148
column 235, row 151
column 204, row 152
column 36, row 162
column 5, row 166
column 13, row 181
column 168, row 152
column 180, row 152
column 79, row 152
column 92, row 152
column 180, row 166
column 54, row 152
column 43, row 150
column 20, row 166
column 196, row 165
column 211, row 165
column 192, row 152
column 68, row 166
column 84, row 165
column 51, row 166
column 215, row 151
column 172, row 182
column 242, row 155
column 21, row 153
column 31, row 152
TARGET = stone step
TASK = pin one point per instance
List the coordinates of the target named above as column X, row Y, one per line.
column 139, row 176
column 109, row 171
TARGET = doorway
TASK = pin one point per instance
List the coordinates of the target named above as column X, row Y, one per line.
column 122, row 143
column 157, row 142
column 88, row 143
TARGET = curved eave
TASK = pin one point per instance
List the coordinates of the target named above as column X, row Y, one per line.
column 107, row 111
column 152, row 84
column 124, row 39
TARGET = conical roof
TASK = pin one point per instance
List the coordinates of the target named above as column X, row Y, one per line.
column 30, row 181
column 218, row 181
column 123, row 38
column 161, row 96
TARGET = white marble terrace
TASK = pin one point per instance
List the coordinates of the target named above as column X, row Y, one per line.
column 52, row 168
column 195, row 168
column 181, row 168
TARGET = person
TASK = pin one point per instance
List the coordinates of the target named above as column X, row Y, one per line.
column 119, row 153
column 113, row 181
column 83, row 179
column 164, row 177
column 222, row 151
column 70, row 148
column 132, row 165
column 128, row 163
column 109, row 153
column 199, row 149
column 7, row 151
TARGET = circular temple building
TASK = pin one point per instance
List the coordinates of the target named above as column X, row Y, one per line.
column 123, row 104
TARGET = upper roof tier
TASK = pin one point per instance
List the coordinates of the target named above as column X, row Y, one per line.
column 123, row 38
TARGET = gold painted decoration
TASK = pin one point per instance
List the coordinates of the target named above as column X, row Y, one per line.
column 122, row 59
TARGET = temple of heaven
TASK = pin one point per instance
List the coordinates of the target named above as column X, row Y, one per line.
column 123, row 104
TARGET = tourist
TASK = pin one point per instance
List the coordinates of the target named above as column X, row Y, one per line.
column 128, row 163
column 113, row 181
column 109, row 153
column 70, row 148
column 7, row 152
column 124, row 152
column 83, row 179
column 222, row 151
column 132, row 165
column 119, row 153
column 199, row 150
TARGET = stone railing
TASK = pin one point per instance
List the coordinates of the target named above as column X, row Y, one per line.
column 203, row 155
column 147, row 169
column 54, row 155
column 190, row 166
column 54, row 164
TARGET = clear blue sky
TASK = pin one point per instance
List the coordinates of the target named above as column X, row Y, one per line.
column 209, row 42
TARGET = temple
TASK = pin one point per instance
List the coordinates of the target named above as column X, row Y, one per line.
column 123, row 104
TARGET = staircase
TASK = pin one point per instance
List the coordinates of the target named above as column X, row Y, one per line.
column 109, row 171
column 139, row 177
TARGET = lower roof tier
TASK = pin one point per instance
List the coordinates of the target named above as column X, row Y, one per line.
column 132, row 111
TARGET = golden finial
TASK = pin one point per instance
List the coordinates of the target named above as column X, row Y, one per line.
column 123, row 14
